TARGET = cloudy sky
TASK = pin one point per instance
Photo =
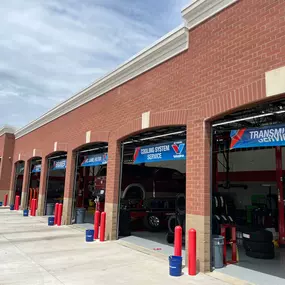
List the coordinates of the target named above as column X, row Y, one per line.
column 50, row 49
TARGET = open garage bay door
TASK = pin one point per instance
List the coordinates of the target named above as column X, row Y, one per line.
column 247, row 185
column 152, row 186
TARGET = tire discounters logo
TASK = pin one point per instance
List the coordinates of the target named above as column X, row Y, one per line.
column 160, row 152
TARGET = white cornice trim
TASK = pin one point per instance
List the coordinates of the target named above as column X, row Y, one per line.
column 165, row 48
column 201, row 10
column 7, row 130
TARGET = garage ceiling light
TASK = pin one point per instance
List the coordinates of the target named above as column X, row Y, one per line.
column 154, row 137
column 248, row 118
column 93, row 149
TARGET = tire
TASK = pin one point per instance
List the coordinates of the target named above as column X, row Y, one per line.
column 170, row 238
column 258, row 236
column 152, row 222
column 180, row 204
column 260, row 247
column 260, row 255
column 171, row 224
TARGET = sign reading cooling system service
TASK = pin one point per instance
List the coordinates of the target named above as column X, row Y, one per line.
column 258, row 137
column 160, row 152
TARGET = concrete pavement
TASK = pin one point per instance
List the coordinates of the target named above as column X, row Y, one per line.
column 33, row 253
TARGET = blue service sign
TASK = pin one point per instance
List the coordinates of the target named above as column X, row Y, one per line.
column 37, row 168
column 59, row 164
column 160, row 152
column 258, row 137
column 95, row 160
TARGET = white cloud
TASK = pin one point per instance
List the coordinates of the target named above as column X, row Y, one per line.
column 50, row 50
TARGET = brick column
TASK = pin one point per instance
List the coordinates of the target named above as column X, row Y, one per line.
column 25, row 186
column 7, row 151
column 68, row 187
column 112, row 187
column 198, row 189
column 42, row 187
column 12, row 185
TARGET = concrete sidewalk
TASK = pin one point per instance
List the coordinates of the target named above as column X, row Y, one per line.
column 33, row 253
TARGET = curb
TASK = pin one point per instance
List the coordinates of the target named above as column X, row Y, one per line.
column 227, row 278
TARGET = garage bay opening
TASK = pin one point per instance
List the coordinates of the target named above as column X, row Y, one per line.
column 90, row 182
column 34, row 180
column 247, row 192
column 55, row 181
column 19, row 171
column 152, row 183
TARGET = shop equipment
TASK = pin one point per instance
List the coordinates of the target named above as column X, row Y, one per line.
column 229, row 241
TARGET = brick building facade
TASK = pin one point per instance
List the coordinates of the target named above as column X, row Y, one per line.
column 228, row 55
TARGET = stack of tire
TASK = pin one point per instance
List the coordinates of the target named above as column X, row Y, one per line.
column 178, row 219
column 258, row 244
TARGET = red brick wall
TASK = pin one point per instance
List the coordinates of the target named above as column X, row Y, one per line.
column 223, row 69
column 6, row 152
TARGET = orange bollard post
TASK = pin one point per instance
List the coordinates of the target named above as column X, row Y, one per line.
column 192, row 252
column 102, row 226
column 5, row 200
column 55, row 213
column 17, row 202
column 178, row 241
column 59, row 213
column 96, row 224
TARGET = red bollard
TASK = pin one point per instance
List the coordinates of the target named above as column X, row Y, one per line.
column 17, row 202
column 102, row 226
column 33, row 208
column 34, row 202
column 192, row 252
column 178, row 241
column 96, row 224
column 59, row 213
column 5, row 200
column 55, row 213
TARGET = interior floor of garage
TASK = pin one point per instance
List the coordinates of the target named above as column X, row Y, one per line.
column 153, row 241
column 258, row 271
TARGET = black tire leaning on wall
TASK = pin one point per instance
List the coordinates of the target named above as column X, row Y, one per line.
column 171, row 224
column 260, row 255
column 262, row 247
column 258, row 236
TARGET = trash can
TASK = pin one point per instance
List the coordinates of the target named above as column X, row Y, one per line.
column 26, row 213
column 50, row 209
column 50, row 221
column 1, row 204
column 218, row 246
column 80, row 215
column 12, row 207
column 89, row 235
column 175, row 265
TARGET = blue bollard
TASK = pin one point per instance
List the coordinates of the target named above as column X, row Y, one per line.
column 11, row 207
column 26, row 213
column 175, row 265
column 89, row 235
